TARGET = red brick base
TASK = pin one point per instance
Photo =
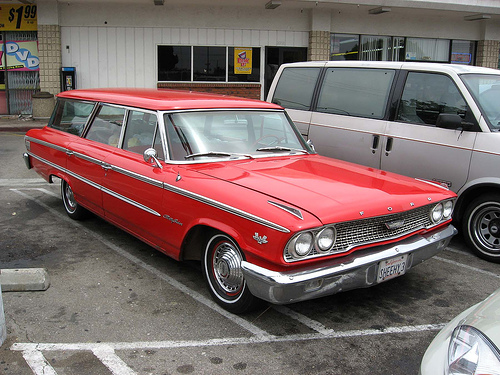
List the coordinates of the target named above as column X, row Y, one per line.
column 245, row 90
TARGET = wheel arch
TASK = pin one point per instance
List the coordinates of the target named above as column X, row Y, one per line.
column 471, row 192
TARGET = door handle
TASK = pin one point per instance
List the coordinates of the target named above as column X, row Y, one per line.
column 375, row 143
column 106, row 166
column 388, row 146
column 69, row 152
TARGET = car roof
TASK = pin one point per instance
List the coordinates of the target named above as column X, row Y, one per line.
column 420, row 66
column 164, row 100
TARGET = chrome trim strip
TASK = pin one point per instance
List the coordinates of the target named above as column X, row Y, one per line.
column 293, row 211
column 225, row 207
column 97, row 186
column 46, row 144
column 137, row 176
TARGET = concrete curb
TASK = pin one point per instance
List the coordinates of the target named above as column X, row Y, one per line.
column 3, row 328
column 23, row 280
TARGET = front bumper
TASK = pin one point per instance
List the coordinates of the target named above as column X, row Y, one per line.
column 357, row 270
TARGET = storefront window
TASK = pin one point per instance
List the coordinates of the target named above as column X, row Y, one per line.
column 376, row 48
column 344, row 47
column 419, row 49
column 174, row 63
column 463, row 52
column 208, row 64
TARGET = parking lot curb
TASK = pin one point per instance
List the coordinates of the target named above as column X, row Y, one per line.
column 3, row 328
column 24, row 280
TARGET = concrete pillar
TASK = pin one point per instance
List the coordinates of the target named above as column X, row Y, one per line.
column 319, row 36
column 487, row 53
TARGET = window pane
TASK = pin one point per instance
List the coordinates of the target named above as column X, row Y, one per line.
column 140, row 131
column 485, row 88
column 71, row 116
column 427, row 95
column 253, row 77
column 419, row 49
column 107, row 125
column 356, row 92
column 462, row 52
column 344, row 47
column 376, row 48
column 295, row 88
column 209, row 63
column 174, row 63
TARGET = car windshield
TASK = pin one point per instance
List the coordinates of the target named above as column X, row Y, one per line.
column 231, row 134
column 485, row 88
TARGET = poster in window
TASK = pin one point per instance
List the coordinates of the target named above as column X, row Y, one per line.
column 242, row 61
column 18, row 17
column 19, row 55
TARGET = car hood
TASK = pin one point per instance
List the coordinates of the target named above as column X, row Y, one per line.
column 327, row 188
column 485, row 316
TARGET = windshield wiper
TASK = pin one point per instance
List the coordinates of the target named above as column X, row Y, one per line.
column 217, row 154
column 280, row 148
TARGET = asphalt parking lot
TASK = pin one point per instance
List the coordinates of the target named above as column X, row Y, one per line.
column 117, row 306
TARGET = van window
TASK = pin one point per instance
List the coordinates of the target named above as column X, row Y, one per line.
column 295, row 88
column 426, row 95
column 356, row 92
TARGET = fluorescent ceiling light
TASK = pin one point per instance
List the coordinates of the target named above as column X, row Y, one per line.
column 158, row 2
column 379, row 10
column 477, row 17
column 273, row 4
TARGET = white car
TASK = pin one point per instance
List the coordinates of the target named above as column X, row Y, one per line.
column 469, row 344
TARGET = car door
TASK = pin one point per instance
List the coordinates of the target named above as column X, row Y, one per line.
column 416, row 145
column 87, row 157
column 132, row 187
column 350, row 116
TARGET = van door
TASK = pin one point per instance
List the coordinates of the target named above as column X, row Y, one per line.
column 416, row 143
column 295, row 91
column 350, row 117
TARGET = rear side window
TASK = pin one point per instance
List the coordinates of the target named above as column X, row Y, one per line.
column 70, row 116
column 107, row 125
column 426, row 95
column 295, row 88
column 356, row 92
column 140, row 132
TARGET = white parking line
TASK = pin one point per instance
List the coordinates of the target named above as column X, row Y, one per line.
column 21, row 182
column 466, row 266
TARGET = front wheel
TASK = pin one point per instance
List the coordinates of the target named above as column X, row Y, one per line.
column 481, row 227
column 73, row 209
column 222, row 271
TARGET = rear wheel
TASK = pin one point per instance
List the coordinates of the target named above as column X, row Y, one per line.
column 481, row 227
column 222, row 270
column 73, row 209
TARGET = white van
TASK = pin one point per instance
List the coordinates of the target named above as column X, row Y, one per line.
column 439, row 122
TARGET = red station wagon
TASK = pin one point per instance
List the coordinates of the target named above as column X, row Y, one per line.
column 231, row 183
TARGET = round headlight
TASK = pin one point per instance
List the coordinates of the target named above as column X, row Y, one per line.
column 303, row 244
column 437, row 213
column 325, row 239
column 447, row 209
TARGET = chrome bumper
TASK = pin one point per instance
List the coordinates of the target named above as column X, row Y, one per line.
column 27, row 161
column 357, row 270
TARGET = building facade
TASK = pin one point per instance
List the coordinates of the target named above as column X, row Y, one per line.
column 235, row 46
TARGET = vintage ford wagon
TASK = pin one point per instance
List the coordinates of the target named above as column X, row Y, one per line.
column 230, row 182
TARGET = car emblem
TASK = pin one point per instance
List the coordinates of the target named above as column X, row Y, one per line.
column 260, row 240
column 396, row 224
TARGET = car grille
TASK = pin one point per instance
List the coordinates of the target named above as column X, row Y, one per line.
column 361, row 232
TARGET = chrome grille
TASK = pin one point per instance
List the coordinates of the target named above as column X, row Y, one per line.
column 361, row 232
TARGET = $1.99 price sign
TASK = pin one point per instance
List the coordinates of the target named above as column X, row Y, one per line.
column 18, row 17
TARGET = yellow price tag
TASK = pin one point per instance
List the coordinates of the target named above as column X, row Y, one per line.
column 14, row 17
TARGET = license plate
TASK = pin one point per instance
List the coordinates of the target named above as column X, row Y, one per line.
column 391, row 268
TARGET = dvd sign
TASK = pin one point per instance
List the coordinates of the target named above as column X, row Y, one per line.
column 242, row 61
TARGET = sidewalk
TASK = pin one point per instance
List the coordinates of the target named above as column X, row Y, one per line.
column 16, row 123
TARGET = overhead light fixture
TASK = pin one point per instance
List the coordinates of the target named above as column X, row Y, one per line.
column 379, row 10
column 477, row 17
column 159, row 2
column 273, row 4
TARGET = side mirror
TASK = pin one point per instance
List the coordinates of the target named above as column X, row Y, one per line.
column 310, row 144
column 449, row 121
column 150, row 157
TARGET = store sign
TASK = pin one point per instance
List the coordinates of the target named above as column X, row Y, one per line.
column 242, row 61
column 20, row 55
column 461, row 58
column 18, row 17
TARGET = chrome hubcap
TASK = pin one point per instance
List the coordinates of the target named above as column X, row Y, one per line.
column 70, row 199
column 227, row 270
column 486, row 226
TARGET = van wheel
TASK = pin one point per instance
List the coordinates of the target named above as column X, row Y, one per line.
column 481, row 227
column 73, row 209
column 222, row 271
